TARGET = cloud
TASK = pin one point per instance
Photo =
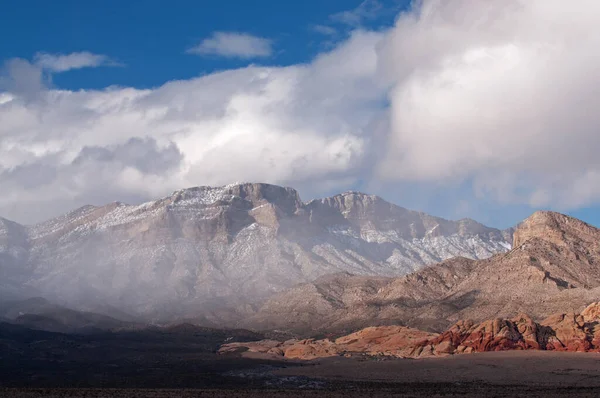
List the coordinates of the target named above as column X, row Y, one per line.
column 380, row 12
column 65, row 62
column 465, row 105
column 501, row 93
column 324, row 30
column 234, row 45
column 367, row 9
column 28, row 78
column 291, row 125
column 19, row 76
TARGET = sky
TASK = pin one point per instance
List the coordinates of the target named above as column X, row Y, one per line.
column 458, row 108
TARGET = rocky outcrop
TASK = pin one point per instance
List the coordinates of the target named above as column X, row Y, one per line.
column 556, row 228
column 383, row 340
column 560, row 332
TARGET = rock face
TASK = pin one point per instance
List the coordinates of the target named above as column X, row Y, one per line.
column 205, row 252
column 560, row 332
column 553, row 268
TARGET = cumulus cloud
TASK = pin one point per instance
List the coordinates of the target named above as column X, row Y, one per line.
column 77, row 60
column 234, row 45
column 494, row 101
column 290, row 125
column 499, row 92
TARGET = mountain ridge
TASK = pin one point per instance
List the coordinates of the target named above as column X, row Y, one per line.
column 229, row 244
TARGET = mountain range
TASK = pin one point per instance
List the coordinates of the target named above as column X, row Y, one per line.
column 215, row 254
column 358, row 275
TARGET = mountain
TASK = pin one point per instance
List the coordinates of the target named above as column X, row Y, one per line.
column 553, row 268
column 206, row 252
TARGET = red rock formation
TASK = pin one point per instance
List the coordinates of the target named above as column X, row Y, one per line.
column 493, row 335
column 311, row 349
column 560, row 332
column 591, row 313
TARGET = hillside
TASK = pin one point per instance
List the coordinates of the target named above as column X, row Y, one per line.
column 553, row 268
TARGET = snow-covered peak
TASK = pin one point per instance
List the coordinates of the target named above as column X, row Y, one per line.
column 202, row 196
column 57, row 224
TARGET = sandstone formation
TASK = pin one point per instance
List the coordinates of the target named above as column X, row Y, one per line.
column 559, row 332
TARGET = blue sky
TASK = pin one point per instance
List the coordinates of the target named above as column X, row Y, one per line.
column 448, row 107
column 150, row 36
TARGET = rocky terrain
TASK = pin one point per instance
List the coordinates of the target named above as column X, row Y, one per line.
column 559, row 332
column 205, row 253
column 553, row 268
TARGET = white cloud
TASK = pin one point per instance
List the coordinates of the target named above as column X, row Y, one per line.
column 291, row 125
column 65, row 62
column 500, row 92
column 234, row 45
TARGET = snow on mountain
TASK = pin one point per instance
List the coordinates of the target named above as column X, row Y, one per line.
column 204, row 248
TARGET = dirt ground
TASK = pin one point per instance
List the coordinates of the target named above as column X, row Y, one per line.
column 374, row 392
column 504, row 374
column 532, row 368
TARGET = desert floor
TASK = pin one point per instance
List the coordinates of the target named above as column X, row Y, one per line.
column 504, row 374
column 540, row 368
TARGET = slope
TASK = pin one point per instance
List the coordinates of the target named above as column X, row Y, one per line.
column 553, row 268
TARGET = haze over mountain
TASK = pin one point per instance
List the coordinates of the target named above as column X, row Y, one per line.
column 210, row 251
